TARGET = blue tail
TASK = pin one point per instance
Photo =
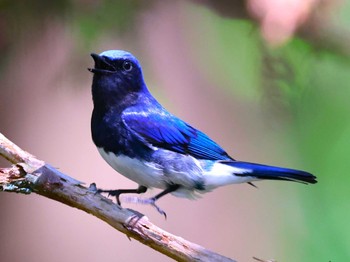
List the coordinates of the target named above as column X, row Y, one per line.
column 272, row 172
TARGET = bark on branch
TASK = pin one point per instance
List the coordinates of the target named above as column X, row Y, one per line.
column 31, row 175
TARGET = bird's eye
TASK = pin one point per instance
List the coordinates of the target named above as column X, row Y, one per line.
column 127, row 66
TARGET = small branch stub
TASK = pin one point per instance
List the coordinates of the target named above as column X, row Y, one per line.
column 13, row 179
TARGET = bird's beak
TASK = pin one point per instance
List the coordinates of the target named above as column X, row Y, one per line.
column 101, row 65
column 96, row 58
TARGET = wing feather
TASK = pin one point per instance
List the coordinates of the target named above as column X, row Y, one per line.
column 163, row 130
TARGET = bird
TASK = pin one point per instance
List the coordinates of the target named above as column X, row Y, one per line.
column 147, row 144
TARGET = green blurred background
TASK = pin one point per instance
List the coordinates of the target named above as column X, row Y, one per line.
column 281, row 102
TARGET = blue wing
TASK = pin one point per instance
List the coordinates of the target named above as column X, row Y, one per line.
column 163, row 130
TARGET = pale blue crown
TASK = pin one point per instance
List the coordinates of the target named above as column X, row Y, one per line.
column 120, row 54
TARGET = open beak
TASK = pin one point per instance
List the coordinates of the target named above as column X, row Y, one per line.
column 101, row 65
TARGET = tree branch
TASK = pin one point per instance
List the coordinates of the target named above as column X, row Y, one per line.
column 29, row 174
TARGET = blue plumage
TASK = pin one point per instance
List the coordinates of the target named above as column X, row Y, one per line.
column 273, row 172
column 144, row 142
column 163, row 130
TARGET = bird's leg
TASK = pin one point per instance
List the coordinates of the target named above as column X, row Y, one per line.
column 152, row 201
column 118, row 192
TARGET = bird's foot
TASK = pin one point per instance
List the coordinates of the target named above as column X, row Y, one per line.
column 146, row 201
column 93, row 188
column 116, row 193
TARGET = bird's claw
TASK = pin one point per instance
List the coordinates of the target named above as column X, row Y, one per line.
column 93, row 188
column 115, row 193
column 146, row 201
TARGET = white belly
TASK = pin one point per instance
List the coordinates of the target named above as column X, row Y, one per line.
column 145, row 174
column 150, row 174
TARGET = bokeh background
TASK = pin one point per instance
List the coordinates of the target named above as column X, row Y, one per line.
column 268, row 80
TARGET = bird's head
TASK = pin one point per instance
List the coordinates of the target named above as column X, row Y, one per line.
column 117, row 77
